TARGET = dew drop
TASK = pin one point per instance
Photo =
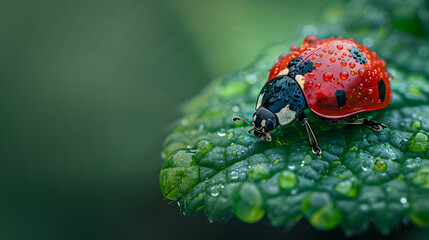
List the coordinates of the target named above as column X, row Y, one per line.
column 344, row 187
column 221, row 133
column 339, row 84
column 310, row 75
column 330, row 51
column 276, row 162
column 184, row 122
column 366, row 165
column 380, row 165
column 352, row 64
column 411, row 162
column 200, row 196
column 419, row 143
column 421, row 178
column 310, row 83
column 287, row 179
column 360, row 86
column 344, row 75
column 416, row 124
column 332, row 60
column 215, row 190
column 234, row 153
column 340, row 47
column 203, row 146
column 293, row 48
column 230, row 134
column 248, row 203
column 234, row 175
column 259, row 171
column 318, row 64
column 343, row 63
column 327, row 76
column 370, row 91
column 354, row 149
column 404, row 202
column 318, row 86
column 235, row 108
column 361, row 72
column 324, row 50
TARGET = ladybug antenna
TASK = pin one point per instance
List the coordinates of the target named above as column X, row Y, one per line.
column 239, row 118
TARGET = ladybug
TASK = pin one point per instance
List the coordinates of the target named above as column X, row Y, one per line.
column 336, row 78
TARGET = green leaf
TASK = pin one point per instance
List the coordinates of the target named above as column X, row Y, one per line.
column 362, row 178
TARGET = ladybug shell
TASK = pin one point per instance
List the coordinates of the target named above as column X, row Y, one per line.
column 346, row 78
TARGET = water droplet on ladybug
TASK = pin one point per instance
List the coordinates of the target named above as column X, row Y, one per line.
column 327, row 76
column 318, row 64
column 339, row 84
column 359, row 94
column 282, row 56
column 370, row 91
column 310, row 75
column 310, row 83
column 360, row 86
column 343, row 63
column 330, row 51
column 352, row 65
column 344, row 75
column 344, row 54
column 332, row 60
column 361, row 72
column 318, row 86
column 293, row 48
column 340, row 47
column 390, row 77
column 324, row 50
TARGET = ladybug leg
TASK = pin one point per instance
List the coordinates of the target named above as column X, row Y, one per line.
column 311, row 138
column 374, row 125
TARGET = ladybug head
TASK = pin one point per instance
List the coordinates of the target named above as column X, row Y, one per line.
column 263, row 122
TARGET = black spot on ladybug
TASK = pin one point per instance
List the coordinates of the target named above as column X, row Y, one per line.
column 299, row 69
column 283, row 91
column 381, row 90
column 294, row 62
column 358, row 55
column 341, row 98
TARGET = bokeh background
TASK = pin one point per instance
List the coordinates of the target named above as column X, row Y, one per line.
column 88, row 90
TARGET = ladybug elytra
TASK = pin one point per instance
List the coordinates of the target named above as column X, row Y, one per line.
column 336, row 78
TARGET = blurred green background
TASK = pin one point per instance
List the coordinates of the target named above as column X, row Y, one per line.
column 88, row 90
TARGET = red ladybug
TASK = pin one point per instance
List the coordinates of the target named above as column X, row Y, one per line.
column 336, row 78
